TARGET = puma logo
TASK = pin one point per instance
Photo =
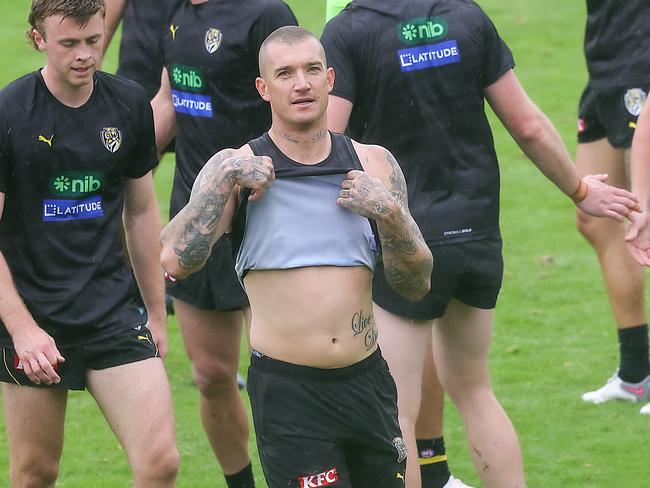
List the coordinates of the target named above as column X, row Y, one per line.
column 144, row 338
column 173, row 28
column 45, row 140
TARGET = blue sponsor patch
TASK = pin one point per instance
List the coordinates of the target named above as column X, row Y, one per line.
column 192, row 104
column 82, row 209
column 429, row 56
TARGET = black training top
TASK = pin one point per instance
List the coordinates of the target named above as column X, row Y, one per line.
column 210, row 52
column 617, row 42
column 416, row 72
column 63, row 171
column 142, row 24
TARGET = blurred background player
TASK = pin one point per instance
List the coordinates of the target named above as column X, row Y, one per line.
column 638, row 234
column 208, row 100
column 617, row 43
column 417, row 85
column 76, row 152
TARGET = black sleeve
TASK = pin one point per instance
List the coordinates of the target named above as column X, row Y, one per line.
column 338, row 49
column 145, row 157
column 275, row 14
column 498, row 57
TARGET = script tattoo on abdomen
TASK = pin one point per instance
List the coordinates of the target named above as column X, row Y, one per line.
column 364, row 325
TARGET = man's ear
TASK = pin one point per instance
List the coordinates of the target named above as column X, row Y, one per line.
column 38, row 39
column 262, row 89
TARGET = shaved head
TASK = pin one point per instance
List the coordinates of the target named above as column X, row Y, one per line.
column 288, row 35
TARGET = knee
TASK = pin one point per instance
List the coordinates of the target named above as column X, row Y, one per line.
column 34, row 473
column 595, row 230
column 159, row 466
column 214, row 378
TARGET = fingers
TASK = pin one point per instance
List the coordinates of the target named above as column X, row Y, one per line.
column 39, row 369
column 641, row 256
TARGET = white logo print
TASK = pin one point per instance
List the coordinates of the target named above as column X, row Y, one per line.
column 213, row 40
column 634, row 99
column 398, row 442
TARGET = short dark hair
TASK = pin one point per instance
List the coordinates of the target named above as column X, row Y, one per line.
column 288, row 34
column 79, row 10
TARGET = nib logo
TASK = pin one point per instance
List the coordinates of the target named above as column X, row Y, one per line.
column 325, row 478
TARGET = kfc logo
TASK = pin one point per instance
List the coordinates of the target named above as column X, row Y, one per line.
column 321, row 479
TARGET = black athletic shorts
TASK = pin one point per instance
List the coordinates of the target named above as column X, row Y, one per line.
column 127, row 346
column 327, row 427
column 610, row 112
column 216, row 286
column 471, row 272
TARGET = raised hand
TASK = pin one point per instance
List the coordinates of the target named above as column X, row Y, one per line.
column 366, row 196
column 254, row 172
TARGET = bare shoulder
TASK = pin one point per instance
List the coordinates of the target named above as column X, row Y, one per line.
column 379, row 162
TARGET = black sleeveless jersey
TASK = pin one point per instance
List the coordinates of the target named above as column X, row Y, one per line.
column 416, row 71
column 210, row 51
column 617, row 42
column 63, row 171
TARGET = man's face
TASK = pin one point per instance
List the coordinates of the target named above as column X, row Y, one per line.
column 296, row 81
column 72, row 51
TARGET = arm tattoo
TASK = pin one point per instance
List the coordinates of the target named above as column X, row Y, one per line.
column 407, row 262
column 202, row 214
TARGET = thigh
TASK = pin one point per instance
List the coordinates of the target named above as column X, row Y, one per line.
column 461, row 342
column 136, row 401
column 404, row 343
column 34, row 419
column 601, row 157
column 212, row 339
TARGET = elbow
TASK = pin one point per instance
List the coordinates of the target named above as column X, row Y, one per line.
column 171, row 264
column 529, row 132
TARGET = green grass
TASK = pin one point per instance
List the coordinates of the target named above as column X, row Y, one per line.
column 554, row 334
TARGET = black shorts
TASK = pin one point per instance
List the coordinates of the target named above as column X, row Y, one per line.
column 610, row 112
column 127, row 346
column 216, row 286
column 322, row 427
column 471, row 272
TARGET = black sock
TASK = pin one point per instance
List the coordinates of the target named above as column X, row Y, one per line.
column 434, row 470
column 243, row 479
column 633, row 343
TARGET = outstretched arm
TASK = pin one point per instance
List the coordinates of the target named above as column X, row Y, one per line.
column 380, row 194
column 188, row 238
column 638, row 234
column 537, row 137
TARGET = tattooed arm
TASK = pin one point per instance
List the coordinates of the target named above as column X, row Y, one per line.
column 380, row 194
column 188, row 238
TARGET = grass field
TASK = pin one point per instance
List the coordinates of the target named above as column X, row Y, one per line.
column 554, row 334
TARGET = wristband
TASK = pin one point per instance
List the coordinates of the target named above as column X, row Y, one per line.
column 581, row 192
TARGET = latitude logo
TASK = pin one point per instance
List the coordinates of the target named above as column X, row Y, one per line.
column 422, row 29
column 75, row 183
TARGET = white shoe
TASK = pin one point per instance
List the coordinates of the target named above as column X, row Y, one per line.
column 645, row 410
column 456, row 483
column 617, row 389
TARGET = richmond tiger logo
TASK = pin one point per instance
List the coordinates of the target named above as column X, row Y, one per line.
column 212, row 40
column 111, row 138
